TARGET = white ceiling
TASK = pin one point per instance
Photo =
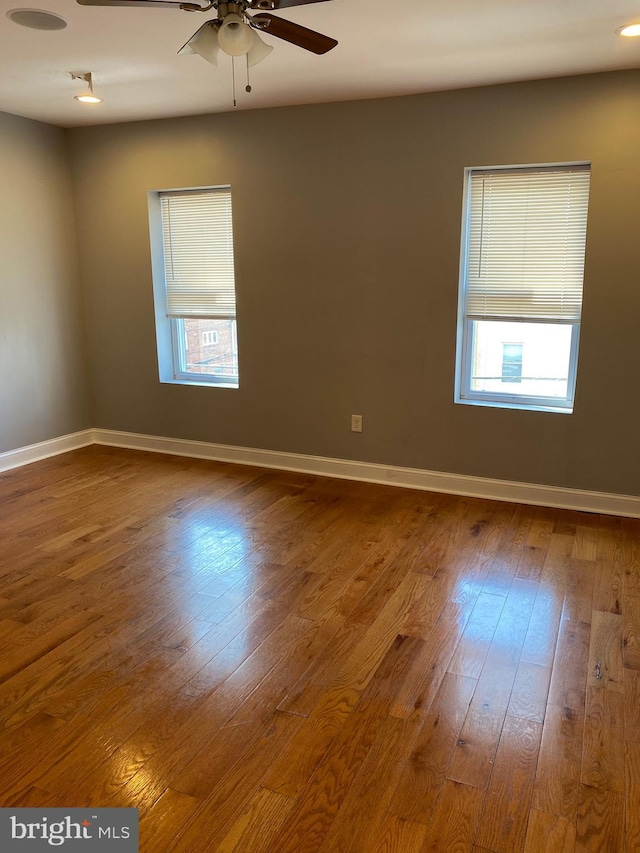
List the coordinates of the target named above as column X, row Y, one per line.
column 385, row 48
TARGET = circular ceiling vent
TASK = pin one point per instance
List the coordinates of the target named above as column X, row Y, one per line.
column 35, row 19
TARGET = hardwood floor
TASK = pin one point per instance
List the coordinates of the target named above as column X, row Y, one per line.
column 264, row 662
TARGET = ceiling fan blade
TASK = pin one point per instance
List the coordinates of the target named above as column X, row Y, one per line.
column 294, row 33
column 271, row 5
column 154, row 4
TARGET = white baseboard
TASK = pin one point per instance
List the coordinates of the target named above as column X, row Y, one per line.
column 412, row 478
column 368, row 472
column 43, row 449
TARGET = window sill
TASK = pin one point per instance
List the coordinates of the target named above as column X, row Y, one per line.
column 508, row 404
column 200, row 384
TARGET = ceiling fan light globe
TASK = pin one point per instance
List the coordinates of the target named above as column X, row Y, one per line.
column 259, row 50
column 235, row 37
column 204, row 42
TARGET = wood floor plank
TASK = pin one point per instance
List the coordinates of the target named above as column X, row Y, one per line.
column 608, row 585
column 249, row 720
column 273, row 662
column 31, row 797
column 260, row 824
column 473, row 757
column 362, row 813
column 29, row 649
column 148, row 731
column 529, row 694
column 567, row 522
column 424, row 773
column 503, row 823
column 631, row 640
column 605, row 651
column 579, row 598
column 290, row 775
column 228, row 799
column 27, row 691
column 632, row 705
column 159, row 826
column 308, row 690
column 422, row 682
column 608, row 589
column 321, row 800
column 542, row 634
column 504, row 566
column 550, row 833
column 632, row 795
column 629, row 556
column 600, row 823
column 531, row 562
column 586, row 538
column 455, row 820
column 543, row 526
column 114, row 713
column 558, row 560
column 570, row 668
column 400, row 836
column 559, row 762
column 603, row 748
column 471, row 651
column 428, row 608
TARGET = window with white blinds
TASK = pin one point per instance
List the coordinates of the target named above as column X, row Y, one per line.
column 192, row 262
column 526, row 243
column 197, row 235
column 522, row 271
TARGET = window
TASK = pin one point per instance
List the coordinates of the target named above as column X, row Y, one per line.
column 194, row 286
column 522, row 269
column 209, row 338
column 512, row 362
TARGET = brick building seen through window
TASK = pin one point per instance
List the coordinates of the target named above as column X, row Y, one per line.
column 210, row 346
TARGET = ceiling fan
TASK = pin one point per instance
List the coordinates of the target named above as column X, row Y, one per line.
column 235, row 31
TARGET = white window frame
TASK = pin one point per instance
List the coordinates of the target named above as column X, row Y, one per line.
column 171, row 348
column 465, row 328
column 210, row 333
column 179, row 353
column 511, row 401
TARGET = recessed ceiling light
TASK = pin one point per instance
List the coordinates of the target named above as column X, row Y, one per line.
column 629, row 30
column 88, row 99
column 36, row 19
column 87, row 96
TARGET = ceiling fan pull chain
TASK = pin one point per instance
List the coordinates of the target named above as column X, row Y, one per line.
column 248, row 86
column 233, row 80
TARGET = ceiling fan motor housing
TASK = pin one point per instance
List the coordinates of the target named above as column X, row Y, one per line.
column 225, row 9
column 238, row 7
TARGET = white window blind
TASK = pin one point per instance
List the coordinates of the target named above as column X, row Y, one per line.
column 198, row 253
column 526, row 244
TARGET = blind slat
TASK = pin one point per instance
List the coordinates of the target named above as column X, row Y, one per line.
column 198, row 253
column 526, row 243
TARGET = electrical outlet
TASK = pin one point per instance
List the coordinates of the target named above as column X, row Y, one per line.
column 356, row 423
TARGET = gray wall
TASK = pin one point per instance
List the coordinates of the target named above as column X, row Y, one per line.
column 347, row 234
column 43, row 387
